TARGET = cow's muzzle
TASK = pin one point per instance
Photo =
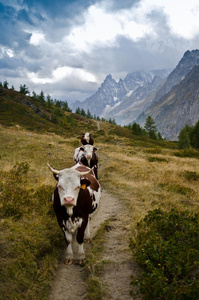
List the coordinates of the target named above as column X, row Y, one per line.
column 69, row 201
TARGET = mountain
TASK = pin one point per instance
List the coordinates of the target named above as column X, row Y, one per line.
column 112, row 98
column 180, row 106
column 172, row 106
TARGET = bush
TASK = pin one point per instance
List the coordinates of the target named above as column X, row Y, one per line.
column 167, row 247
column 191, row 176
column 187, row 153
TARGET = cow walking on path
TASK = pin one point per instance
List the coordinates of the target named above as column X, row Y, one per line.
column 75, row 198
column 86, row 154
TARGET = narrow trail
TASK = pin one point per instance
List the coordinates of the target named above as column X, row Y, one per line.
column 69, row 281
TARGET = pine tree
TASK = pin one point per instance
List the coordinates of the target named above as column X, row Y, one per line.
column 195, row 136
column 23, row 89
column 184, row 138
column 150, row 128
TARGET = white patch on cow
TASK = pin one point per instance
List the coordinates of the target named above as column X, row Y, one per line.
column 87, row 231
column 69, row 252
column 69, row 210
column 95, row 196
column 72, row 226
column 68, row 187
column 87, row 136
column 78, row 154
column 81, row 254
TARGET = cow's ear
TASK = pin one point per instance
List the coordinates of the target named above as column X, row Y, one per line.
column 95, row 149
column 56, row 176
column 81, row 148
column 85, row 183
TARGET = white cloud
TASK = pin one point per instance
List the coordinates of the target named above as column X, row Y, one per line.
column 61, row 73
column 102, row 27
column 6, row 51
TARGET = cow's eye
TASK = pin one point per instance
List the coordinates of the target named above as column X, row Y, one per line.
column 60, row 187
column 77, row 188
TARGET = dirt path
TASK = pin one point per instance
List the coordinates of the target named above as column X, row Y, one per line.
column 69, row 281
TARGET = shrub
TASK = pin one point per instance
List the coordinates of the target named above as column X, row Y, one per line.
column 167, row 247
column 187, row 153
column 157, row 159
column 191, row 176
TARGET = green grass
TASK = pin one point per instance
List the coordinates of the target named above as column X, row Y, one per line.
column 31, row 239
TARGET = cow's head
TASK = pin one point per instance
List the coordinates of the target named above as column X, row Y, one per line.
column 69, row 184
column 88, row 151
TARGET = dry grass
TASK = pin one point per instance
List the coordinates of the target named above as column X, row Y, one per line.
column 147, row 185
column 125, row 171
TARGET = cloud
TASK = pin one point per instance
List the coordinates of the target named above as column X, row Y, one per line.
column 66, row 48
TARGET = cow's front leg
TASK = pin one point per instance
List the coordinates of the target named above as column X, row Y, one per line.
column 87, row 235
column 80, row 240
column 69, row 250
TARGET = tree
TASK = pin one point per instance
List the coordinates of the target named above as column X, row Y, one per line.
column 5, row 84
column 184, row 138
column 41, row 97
column 23, row 89
column 159, row 136
column 150, row 128
column 136, row 129
column 65, row 106
column 78, row 112
column 83, row 113
column 195, row 136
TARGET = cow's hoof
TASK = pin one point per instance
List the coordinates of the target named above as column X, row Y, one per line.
column 68, row 261
column 82, row 262
column 87, row 241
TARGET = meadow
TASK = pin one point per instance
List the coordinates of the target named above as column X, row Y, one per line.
column 144, row 174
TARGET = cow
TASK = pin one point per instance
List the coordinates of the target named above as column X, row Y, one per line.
column 76, row 197
column 88, row 157
column 87, row 139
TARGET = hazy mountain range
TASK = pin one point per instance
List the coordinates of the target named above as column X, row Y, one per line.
column 170, row 97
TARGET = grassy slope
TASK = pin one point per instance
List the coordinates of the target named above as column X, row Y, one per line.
column 143, row 173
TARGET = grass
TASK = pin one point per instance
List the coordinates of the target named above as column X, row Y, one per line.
column 144, row 174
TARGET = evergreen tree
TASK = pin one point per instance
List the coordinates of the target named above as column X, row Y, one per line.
column 195, row 136
column 184, row 138
column 159, row 136
column 88, row 115
column 41, row 97
column 136, row 129
column 83, row 113
column 5, row 84
column 65, row 106
column 78, row 112
column 150, row 128
column 23, row 89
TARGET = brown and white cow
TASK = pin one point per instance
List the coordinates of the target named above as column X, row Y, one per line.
column 75, row 198
column 87, row 139
column 88, row 157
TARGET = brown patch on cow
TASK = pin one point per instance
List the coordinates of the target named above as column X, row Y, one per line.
column 91, row 177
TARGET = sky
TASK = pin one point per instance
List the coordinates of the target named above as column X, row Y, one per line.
column 67, row 48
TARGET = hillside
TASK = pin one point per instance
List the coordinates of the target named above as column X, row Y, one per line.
column 180, row 106
column 19, row 110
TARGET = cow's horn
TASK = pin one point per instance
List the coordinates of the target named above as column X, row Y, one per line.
column 85, row 173
column 56, row 172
